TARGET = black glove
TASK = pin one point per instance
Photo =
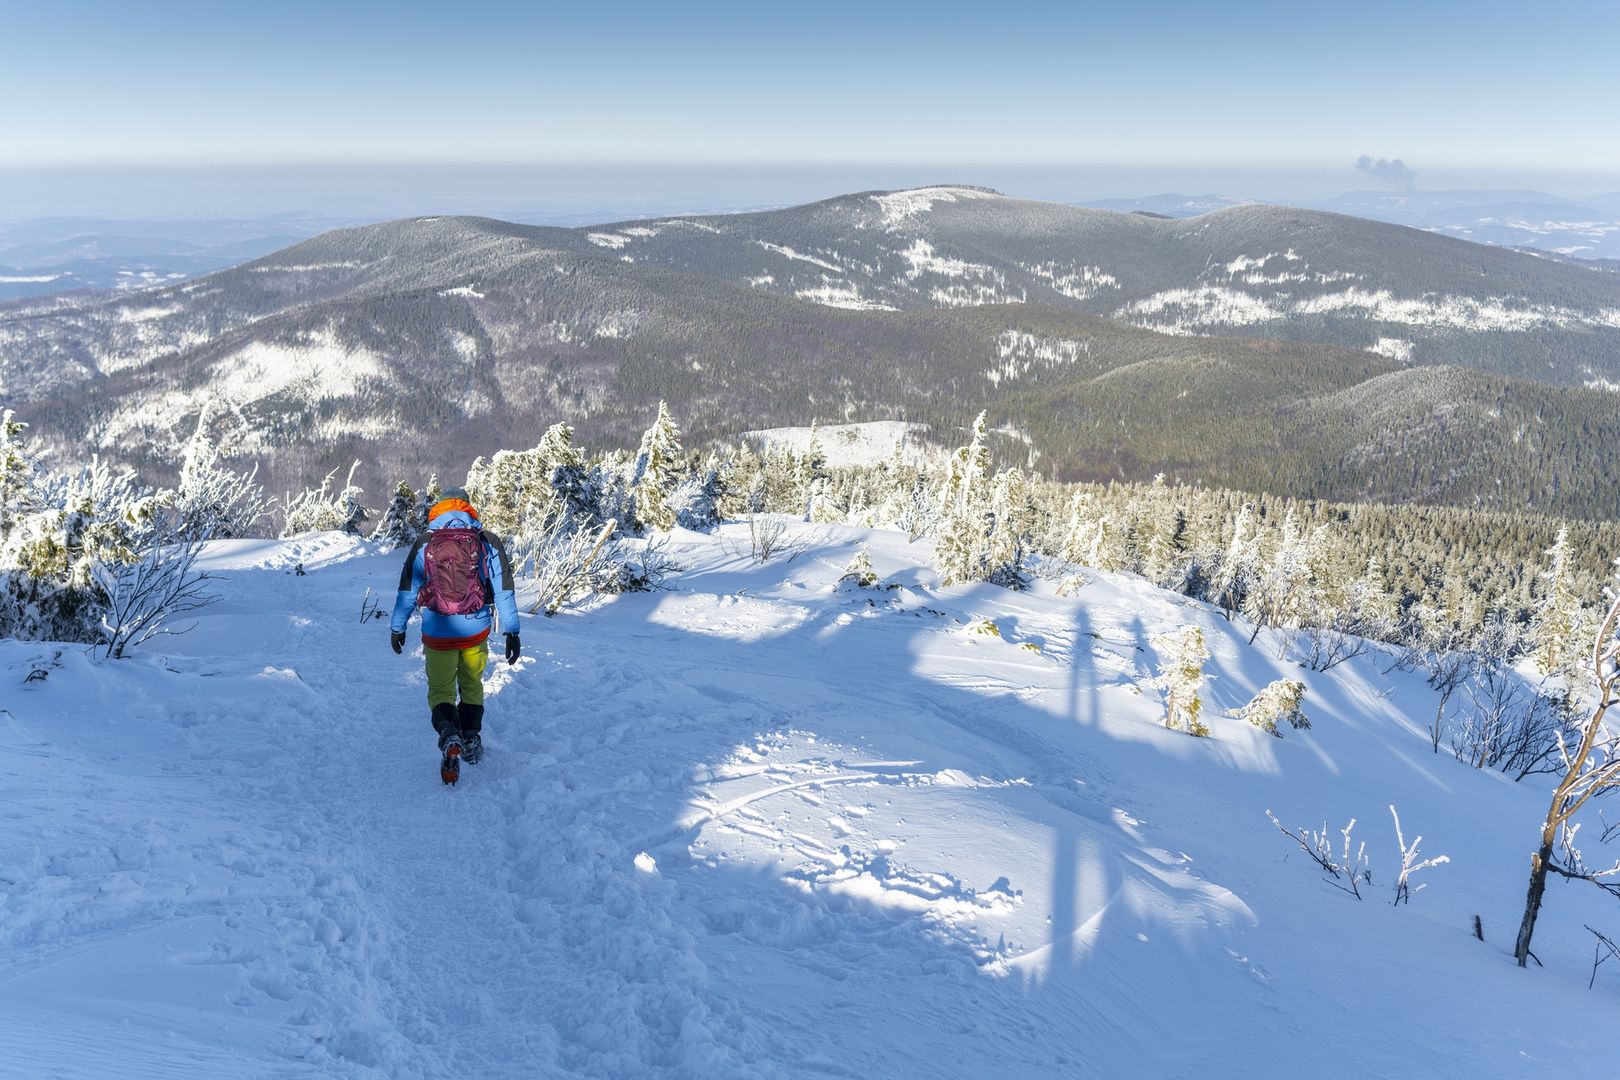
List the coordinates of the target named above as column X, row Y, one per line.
column 397, row 640
column 514, row 648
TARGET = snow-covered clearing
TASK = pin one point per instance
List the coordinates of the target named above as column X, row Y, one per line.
column 755, row 826
column 870, row 443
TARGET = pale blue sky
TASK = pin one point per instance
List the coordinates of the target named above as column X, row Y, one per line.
column 1480, row 88
column 1480, row 83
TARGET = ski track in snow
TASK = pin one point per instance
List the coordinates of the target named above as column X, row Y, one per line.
column 756, row 826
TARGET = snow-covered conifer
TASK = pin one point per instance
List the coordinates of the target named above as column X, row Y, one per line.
column 1277, row 702
column 401, row 524
column 698, row 498
column 1557, row 617
column 656, row 467
column 961, row 546
column 859, row 572
column 1181, row 673
column 17, row 472
column 1235, row 575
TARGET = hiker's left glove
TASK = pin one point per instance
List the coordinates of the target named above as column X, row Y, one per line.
column 514, row 648
column 397, row 640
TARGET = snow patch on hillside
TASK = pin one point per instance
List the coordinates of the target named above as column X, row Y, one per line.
column 842, row 295
column 1397, row 349
column 1019, row 352
column 320, row 366
column 1073, row 280
column 799, row 256
column 898, row 207
column 1187, row 311
column 869, row 443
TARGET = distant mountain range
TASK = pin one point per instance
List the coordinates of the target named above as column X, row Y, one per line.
column 45, row 256
column 1584, row 229
column 1395, row 363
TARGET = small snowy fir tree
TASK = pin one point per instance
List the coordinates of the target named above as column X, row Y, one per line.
column 1077, row 534
column 809, row 474
column 1556, row 622
column 1278, row 702
column 1011, row 520
column 699, row 497
column 859, row 572
column 962, row 549
column 17, row 473
column 1234, row 577
column 656, row 468
column 401, row 521
column 1181, row 674
column 1158, row 525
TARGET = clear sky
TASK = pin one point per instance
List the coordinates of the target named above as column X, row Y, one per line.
column 1247, row 84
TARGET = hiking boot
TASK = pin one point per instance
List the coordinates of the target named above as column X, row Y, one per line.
column 446, row 722
column 471, row 719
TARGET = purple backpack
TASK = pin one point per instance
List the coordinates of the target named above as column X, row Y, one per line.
column 452, row 568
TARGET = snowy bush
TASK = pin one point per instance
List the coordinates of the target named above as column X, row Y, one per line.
column 1181, row 674
column 1346, row 870
column 1278, row 702
column 560, row 556
column 324, row 510
column 90, row 556
column 1410, row 864
column 1349, row 870
column 212, row 499
column 143, row 594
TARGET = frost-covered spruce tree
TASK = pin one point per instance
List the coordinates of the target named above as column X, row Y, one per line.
column 1158, row 526
column 809, row 473
column 698, row 498
column 1235, row 574
column 400, row 525
column 1011, row 519
column 859, row 572
column 1557, row 618
column 1284, row 590
column 1278, row 702
column 657, row 465
column 213, row 500
column 962, row 545
column 18, row 473
column 1079, row 530
column 1181, row 675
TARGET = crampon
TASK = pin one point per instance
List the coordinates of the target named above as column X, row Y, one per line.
column 450, row 766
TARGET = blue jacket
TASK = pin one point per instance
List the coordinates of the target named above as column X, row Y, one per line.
column 445, row 632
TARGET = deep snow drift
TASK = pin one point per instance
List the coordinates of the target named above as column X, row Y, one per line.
column 758, row 825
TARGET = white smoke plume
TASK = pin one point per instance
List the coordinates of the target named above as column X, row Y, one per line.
column 1390, row 170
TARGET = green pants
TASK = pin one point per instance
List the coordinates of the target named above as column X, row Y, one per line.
column 451, row 668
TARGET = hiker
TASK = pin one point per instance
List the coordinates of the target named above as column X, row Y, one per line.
column 457, row 571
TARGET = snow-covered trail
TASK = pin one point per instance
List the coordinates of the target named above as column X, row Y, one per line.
column 755, row 826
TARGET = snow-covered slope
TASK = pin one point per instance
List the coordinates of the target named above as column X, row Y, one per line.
column 755, row 826
column 870, row 443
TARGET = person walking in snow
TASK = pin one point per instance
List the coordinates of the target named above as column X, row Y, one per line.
column 458, row 572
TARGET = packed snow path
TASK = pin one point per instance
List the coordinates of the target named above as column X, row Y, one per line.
column 758, row 825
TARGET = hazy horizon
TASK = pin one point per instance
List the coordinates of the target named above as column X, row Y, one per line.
column 585, row 191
